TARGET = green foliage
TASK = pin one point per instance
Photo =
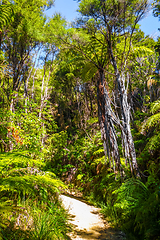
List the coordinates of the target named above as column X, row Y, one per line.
column 56, row 149
column 155, row 107
column 152, row 126
column 136, row 209
column 66, row 139
column 30, row 130
column 88, row 71
column 104, row 185
column 29, row 25
column 25, row 187
column 151, row 122
column 50, row 224
column 6, row 13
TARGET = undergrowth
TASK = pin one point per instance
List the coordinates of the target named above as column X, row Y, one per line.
column 29, row 205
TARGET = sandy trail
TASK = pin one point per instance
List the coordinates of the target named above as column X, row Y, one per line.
column 88, row 222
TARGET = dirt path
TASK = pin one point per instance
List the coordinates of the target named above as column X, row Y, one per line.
column 88, row 222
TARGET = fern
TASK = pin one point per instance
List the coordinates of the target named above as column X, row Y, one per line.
column 154, row 120
column 23, row 180
column 151, row 122
column 5, row 14
column 136, row 209
column 88, row 72
column 142, row 51
column 20, row 173
column 155, row 106
column 17, row 159
column 152, row 126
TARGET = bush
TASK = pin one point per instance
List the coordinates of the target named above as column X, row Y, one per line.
column 29, row 199
column 136, row 210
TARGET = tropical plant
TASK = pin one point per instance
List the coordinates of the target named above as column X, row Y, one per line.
column 151, row 128
column 25, row 189
column 6, row 13
column 136, row 210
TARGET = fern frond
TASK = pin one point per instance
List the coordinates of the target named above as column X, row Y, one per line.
column 23, row 187
column 155, row 107
column 88, row 72
column 130, row 195
column 99, row 151
column 151, row 122
column 142, row 51
column 129, row 187
column 5, row 14
column 30, row 184
column 154, row 143
column 13, row 160
column 21, row 174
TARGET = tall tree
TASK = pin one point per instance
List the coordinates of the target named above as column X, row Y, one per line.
column 20, row 39
column 104, row 38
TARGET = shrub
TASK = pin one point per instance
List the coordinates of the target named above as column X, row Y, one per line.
column 26, row 195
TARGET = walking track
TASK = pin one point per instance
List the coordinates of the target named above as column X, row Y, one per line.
column 87, row 222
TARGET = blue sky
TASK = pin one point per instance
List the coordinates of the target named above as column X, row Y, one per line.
column 68, row 8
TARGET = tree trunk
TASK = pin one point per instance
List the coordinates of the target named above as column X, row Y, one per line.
column 26, row 97
column 125, row 117
column 125, row 113
column 105, row 114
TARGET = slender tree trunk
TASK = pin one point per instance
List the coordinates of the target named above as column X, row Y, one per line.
column 44, row 96
column 80, row 123
column 125, row 114
column 42, row 93
column 108, row 133
column 33, row 84
column 26, row 97
column 125, row 117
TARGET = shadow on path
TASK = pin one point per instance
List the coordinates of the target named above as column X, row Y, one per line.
column 87, row 222
column 99, row 233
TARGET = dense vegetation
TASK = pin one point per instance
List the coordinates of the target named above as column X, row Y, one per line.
column 79, row 107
